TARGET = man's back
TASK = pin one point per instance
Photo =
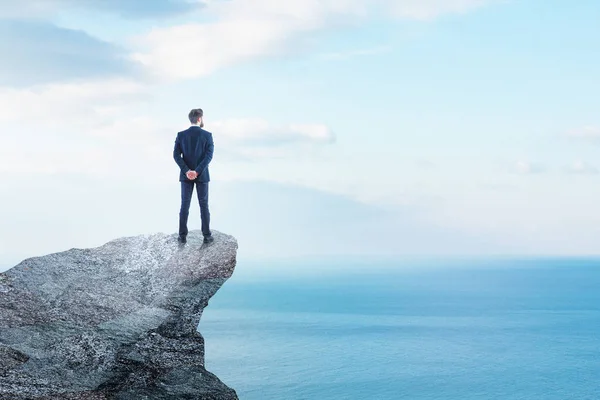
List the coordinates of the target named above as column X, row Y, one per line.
column 196, row 145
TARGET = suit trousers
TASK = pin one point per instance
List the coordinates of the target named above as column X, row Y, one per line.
column 187, row 189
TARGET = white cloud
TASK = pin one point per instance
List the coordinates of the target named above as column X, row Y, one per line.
column 86, row 128
column 252, row 139
column 342, row 55
column 582, row 167
column 40, row 52
column 64, row 105
column 257, row 131
column 104, row 129
column 586, row 132
column 126, row 8
column 430, row 9
column 243, row 30
column 526, row 167
column 425, row 164
column 131, row 149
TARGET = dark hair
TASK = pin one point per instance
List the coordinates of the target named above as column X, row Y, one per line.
column 195, row 114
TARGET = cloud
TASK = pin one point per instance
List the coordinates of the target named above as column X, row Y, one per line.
column 91, row 128
column 67, row 106
column 241, row 30
column 343, row 55
column 39, row 52
column 426, row 10
column 256, row 131
column 252, row 139
column 526, row 168
column 124, row 8
column 79, row 128
column 425, row 164
column 134, row 149
column 582, row 168
column 586, row 132
column 497, row 187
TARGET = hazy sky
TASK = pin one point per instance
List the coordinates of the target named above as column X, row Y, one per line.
column 340, row 126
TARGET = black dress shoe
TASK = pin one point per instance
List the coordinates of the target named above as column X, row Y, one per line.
column 208, row 239
column 182, row 239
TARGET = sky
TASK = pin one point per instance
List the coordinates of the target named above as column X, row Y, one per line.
column 341, row 127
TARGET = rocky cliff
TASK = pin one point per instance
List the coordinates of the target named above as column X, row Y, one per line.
column 113, row 322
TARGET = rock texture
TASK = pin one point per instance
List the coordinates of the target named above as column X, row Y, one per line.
column 113, row 322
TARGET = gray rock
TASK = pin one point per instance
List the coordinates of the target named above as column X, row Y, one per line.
column 114, row 322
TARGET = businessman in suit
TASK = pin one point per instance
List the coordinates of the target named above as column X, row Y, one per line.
column 193, row 152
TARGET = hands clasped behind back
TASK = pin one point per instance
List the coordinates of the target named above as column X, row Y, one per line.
column 191, row 175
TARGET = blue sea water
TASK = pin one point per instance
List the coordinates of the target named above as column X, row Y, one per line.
column 486, row 329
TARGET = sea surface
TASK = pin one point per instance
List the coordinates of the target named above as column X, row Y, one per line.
column 471, row 329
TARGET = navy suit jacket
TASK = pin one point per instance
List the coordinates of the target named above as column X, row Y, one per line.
column 196, row 145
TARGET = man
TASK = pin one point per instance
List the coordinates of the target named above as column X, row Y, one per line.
column 196, row 145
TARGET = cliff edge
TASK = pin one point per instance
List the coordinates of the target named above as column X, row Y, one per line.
column 114, row 322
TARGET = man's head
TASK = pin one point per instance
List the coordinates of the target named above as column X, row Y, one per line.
column 196, row 117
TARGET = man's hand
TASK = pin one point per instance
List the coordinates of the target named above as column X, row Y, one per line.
column 191, row 175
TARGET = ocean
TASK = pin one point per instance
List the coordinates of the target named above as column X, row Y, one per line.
column 463, row 329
